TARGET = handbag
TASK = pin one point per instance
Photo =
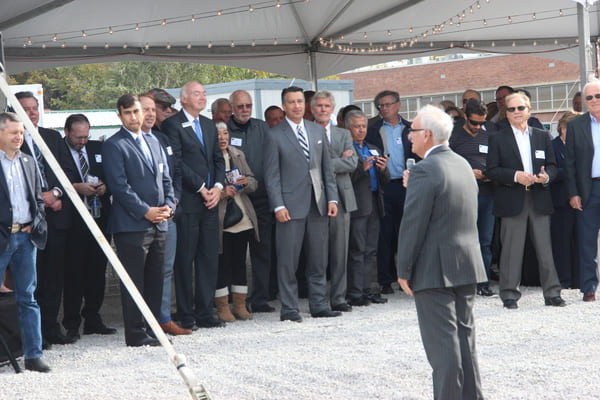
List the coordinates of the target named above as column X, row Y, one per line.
column 233, row 214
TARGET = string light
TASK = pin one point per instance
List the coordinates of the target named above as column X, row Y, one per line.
column 410, row 30
column 253, row 43
column 43, row 45
column 55, row 37
column 484, row 22
column 110, row 30
column 389, row 33
column 220, row 12
column 509, row 20
column 125, row 45
column 83, row 34
column 210, row 45
column 106, row 45
column 275, row 42
column 168, row 46
column 164, row 22
column 278, row 4
column 250, row 8
column 147, row 46
column 189, row 45
column 493, row 44
column 193, row 18
column 560, row 12
column 365, row 35
column 84, row 46
column 533, row 16
column 29, row 42
column 232, row 44
column 137, row 27
column 513, row 44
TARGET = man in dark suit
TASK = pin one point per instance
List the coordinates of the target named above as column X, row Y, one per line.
column 369, row 175
column 22, row 229
column 59, row 216
column 194, row 141
column 582, row 167
column 521, row 161
column 439, row 260
column 343, row 162
column 143, row 201
column 85, row 266
column 390, row 134
column 302, row 192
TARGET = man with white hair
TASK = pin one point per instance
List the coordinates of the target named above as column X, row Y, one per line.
column 439, row 260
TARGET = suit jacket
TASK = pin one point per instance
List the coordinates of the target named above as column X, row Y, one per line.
column 196, row 161
column 39, row 229
column 558, row 187
column 579, row 155
column 438, row 244
column 289, row 179
column 376, row 136
column 341, row 140
column 134, row 183
column 504, row 160
column 361, row 182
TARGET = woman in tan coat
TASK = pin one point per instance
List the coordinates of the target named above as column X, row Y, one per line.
column 234, row 239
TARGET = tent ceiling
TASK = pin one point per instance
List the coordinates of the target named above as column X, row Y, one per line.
column 340, row 34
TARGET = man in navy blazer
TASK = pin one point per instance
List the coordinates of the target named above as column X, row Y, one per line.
column 143, row 201
column 195, row 145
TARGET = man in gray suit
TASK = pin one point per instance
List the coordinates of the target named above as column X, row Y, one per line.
column 302, row 192
column 343, row 163
column 439, row 260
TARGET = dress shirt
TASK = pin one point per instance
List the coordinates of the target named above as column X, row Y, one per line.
column 595, row 125
column 150, row 135
column 328, row 131
column 524, row 145
column 142, row 143
column 393, row 137
column 17, row 188
column 431, row 149
column 75, row 155
column 365, row 153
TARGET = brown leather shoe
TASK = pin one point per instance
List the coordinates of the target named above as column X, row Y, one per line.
column 173, row 329
column 589, row 296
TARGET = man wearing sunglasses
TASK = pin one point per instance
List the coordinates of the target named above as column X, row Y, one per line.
column 521, row 161
column 470, row 140
column 582, row 168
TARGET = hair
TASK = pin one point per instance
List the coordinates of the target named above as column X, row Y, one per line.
column 566, row 117
column 323, row 94
column 215, row 104
column 184, row 89
column 471, row 91
column 385, row 93
column 308, row 95
column 26, row 95
column 475, row 107
column 525, row 92
column 353, row 114
column 437, row 122
column 510, row 90
column 453, row 108
column 6, row 117
column 578, row 94
column 521, row 95
column 591, row 82
column 75, row 119
column 290, row 89
column 126, row 101
column 271, row 108
column 221, row 125
column 147, row 95
column 447, row 104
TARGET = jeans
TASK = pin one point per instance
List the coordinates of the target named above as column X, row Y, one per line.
column 21, row 254
column 170, row 247
column 485, row 227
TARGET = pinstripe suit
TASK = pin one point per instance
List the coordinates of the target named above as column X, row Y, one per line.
column 438, row 251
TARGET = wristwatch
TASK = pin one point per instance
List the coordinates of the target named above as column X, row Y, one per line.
column 56, row 193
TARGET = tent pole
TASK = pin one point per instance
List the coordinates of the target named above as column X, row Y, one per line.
column 586, row 70
column 3, row 102
column 312, row 64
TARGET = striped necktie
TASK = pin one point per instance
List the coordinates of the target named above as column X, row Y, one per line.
column 303, row 142
column 83, row 165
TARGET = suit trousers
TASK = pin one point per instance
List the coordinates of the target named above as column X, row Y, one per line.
column 512, row 233
column 170, row 250
column 563, row 229
column 485, row 228
column 588, row 224
column 85, row 277
column 339, row 234
column 142, row 255
column 393, row 200
column 312, row 234
column 261, row 251
column 448, row 333
column 196, row 266
column 362, row 250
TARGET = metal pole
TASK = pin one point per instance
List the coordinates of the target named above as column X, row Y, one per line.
column 312, row 64
column 586, row 70
column 2, row 64
column 196, row 389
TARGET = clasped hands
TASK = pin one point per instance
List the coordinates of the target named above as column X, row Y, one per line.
column 526, row 179
column 156, row 215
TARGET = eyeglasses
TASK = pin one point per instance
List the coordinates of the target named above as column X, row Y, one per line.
column 476, row 122
column 411, row 130
column 242, row 106
column 81, row 138
column 590, row 97
column 520, row 108
column 383, row 105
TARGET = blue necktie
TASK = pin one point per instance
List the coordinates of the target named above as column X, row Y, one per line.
column 199, row 134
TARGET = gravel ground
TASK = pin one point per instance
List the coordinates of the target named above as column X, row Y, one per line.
column 375, row 352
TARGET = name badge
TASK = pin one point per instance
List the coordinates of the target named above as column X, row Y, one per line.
column 186, row 124
column 398, row 140
column 540, row 154
column 236, row 141
column 161, row 167
column 98, row 158
column 319, row 142
column 169, row 150
column 483, row 149
column 374, row 152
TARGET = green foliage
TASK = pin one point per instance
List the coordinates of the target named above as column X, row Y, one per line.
column 99, row 85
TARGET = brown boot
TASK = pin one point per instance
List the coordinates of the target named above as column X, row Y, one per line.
column 223, row 310
column 239, row 306
column 174, row 329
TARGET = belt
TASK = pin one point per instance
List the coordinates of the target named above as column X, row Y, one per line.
column 17, row 227
column 596, row 179
column 528, row 188
column 399, row 180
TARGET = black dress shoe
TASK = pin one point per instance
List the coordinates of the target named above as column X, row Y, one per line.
column 45, row 344
column 294, row 317
column 326, row 314
column 510, row 304
column 359, row 301
column 261, row 308
column 36, row 364
column 556, row 301
column 377, row 299
column 73, row 334
column 387, row 289
column 58, row 338
column 147, row 341
column 100, row 329
column 485, row 291
column 210, row 323
column 343, row 307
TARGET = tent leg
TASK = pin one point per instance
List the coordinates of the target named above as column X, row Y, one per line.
column 312, row 64
column 586, row 70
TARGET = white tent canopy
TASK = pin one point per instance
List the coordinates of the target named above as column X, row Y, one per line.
column 296, row 38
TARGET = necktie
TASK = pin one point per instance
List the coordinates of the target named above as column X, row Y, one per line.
column 303, row 143
column 83, row 165
column 138, row 140
column 199, row 132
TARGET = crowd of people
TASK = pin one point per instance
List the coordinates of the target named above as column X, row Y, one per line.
column 183, row 197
